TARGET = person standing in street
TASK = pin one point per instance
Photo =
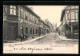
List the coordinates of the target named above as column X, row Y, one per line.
column 21, row 37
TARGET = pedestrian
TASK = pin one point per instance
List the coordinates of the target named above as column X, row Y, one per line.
column 21, row 37
column 26, row 36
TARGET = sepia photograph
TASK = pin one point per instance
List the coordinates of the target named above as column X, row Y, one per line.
column 40, row 29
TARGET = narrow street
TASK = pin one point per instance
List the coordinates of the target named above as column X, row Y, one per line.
column 51, row 41
column 52, row 38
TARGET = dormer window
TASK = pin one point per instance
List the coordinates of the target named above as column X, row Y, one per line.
column 12, row 10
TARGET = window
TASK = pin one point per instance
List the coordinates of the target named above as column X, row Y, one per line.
column 21, row 28
column 26, row 16
column 77, row 11
column 26, row 30
column 36, row 31
column 30, row 15
column 22, row 13
column 72, row 20
column 12, row 10
column 72, row 15
column 76, row 20
column 72, row 7
column 76, row 15
column 37, row 21
column 76, row 32
column 33, row 19
column 77, row 7
column 31, row 31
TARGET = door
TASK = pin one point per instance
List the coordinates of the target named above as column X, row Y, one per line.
column 12, row 31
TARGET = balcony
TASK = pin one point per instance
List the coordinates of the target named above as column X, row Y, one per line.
column 74, row 21
column 12, row 17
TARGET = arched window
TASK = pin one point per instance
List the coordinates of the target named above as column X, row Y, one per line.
column 33, row 30
column 26, row 30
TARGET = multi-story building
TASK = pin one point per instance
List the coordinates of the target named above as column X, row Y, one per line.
column 44, row 28
column 49, row 24
column 70, row 22
column 20, row 19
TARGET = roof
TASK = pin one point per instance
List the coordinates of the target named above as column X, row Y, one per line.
column 44, row 23
column 62, row 15
column 30, row 10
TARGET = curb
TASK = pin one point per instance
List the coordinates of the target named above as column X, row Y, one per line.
column 26, row 41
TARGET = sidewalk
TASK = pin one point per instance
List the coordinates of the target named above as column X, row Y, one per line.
column 65, row 38
column 26, row 41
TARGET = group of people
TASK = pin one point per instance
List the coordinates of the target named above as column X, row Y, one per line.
column 23, row 37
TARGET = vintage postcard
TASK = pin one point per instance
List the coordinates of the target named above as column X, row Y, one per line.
column 40, row 29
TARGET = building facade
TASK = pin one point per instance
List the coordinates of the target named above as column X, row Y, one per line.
column 44, row 28
column 50, row 25
column 70, row 22
column 20, row 19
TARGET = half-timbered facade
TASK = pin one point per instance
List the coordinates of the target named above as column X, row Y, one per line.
column 70, row 22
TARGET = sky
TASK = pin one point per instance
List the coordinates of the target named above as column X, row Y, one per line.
column 52, row 12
